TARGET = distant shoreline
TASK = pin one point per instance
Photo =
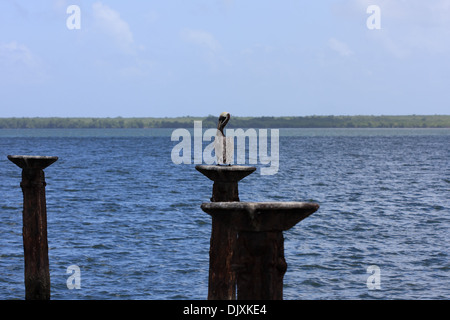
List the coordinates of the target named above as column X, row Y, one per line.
column 401, row 121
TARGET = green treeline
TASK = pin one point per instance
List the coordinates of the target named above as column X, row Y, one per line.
column 410, row 121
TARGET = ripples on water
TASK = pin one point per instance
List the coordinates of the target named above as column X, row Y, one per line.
column 131, row 219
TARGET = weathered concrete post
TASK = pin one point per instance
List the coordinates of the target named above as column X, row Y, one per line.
column 35, row 245
column 259, row 250
column 222, row 279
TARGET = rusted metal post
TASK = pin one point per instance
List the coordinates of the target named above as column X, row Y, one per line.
column 222, row 278
column 35, row 244
column 260, row 265
column 259, row 260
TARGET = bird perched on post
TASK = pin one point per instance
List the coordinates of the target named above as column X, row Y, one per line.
column 221, row 142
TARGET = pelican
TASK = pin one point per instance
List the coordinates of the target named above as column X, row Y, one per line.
column 221, row 143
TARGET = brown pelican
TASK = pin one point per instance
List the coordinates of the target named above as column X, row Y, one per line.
column 221, row 143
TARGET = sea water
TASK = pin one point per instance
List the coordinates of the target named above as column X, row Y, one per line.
column 129, row 218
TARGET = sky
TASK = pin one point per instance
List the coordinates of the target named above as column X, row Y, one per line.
column 169, row 58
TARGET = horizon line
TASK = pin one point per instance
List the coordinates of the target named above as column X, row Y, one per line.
column 235, row 116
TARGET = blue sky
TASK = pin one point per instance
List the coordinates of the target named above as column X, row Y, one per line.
column 142, row 58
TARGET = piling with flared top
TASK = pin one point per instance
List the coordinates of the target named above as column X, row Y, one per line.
column 258, row 258
column 35, row 243
column 222, row 277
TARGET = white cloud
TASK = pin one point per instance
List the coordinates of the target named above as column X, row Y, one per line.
column 340, row 47
column 22, row 11
column 201, row 38
column 140, row 68
column 211, row 47
column 112, row 24
column 425, row 13
column 19, row 64
column 60, row 4
column 16, row 53
column 407, row 26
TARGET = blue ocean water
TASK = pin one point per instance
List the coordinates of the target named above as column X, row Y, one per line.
column 130, row 219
